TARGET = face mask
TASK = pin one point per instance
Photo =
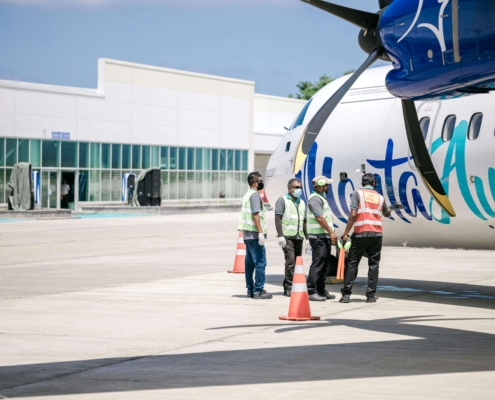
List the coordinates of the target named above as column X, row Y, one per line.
column 297, row 193
column 261, row 185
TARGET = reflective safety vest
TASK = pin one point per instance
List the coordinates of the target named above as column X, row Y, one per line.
column 293, row 218
column 246, row 221
column 369, row 213
column 313, row 226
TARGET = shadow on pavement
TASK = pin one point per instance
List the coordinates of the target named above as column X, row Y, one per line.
column 449, row 293
column 426, row 350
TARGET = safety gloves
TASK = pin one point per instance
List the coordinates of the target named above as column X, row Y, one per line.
column 282, row 242
column 346, row 246
column 261, row 239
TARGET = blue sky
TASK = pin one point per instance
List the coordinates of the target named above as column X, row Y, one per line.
column 275, row 43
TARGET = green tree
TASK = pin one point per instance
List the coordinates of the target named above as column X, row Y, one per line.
column 307, row 89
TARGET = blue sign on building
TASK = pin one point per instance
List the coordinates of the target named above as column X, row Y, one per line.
column 61, row 135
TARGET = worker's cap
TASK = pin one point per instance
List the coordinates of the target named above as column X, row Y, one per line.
column 321, row 180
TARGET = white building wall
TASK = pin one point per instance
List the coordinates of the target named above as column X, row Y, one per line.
column 271, row 115
column 135, row 104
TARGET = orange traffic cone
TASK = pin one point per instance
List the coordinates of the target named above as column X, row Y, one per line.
column 240, row 257
column 341, row 265
column 299, row 302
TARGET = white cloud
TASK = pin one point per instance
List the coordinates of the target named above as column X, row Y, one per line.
column 107, row 3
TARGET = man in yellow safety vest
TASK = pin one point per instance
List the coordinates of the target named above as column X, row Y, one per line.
column 252, row 223
column 290, row 222
column 321, row 235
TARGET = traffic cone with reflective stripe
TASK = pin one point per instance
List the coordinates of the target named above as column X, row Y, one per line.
column 299, row 300
column 240, row 256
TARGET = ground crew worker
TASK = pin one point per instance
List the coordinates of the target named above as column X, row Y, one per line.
column 320, row 232
column 252, row 223
column 290, row 222
column 367, row 208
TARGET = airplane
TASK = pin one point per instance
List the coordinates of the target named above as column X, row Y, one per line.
column 356, row 124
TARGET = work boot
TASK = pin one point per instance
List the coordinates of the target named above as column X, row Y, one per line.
column 288, row 292
column 249, row 295
column 371, row 299
column 345, row 299
column 264, row 295
column 317, row 297
column 328, row 295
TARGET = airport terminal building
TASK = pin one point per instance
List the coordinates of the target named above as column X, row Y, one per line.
column 204, row 132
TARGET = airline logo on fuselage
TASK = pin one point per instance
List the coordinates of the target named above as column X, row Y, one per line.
column 406, row 187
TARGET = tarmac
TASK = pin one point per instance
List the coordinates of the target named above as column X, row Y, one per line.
column 143, row 308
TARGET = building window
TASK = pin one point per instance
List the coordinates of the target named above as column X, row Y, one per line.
column 83, row 185
column 164, row 158
column 207, row 159
column 173, row 191
column 173, row 158
column 165, row 184
column 51, row 153
column 105, row 155
column 230, row 160
column 116, row 185
column 11, row 152
column 238, row 160
column 214, row 159
column 190, row 185
column 83, row 155
column 35, row 153
column 244, row 160
column 199, row 159
column 2, row 186
column 2, row 153
column 448, row 128
column 190, row 159
column 23, row 148
column 69, row 154
column 475, row 126
column 116, row 156
column 155, row 157
column 94, row 186
column 182, row 185
column 146, row 157
column 136, row 157
column 101, row 167
column 223, row 160
column 126, row 156
column 95, row 155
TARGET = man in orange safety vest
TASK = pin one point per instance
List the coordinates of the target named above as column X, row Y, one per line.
column 367, row 208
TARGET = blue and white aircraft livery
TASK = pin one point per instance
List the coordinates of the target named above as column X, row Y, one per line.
column 425, row 127
column 366, row 134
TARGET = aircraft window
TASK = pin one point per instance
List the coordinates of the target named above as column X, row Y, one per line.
column 287, row 147
column 448, row 128
column 425, row 125
column 300, row 118
column 475, row 126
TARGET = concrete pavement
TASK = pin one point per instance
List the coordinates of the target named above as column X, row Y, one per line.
column 143, row 308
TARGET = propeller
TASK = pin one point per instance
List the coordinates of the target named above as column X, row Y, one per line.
column 369, row 41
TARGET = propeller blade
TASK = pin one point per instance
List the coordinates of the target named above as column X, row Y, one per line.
column 361, row 19
column 422, row 158
column 314, row 127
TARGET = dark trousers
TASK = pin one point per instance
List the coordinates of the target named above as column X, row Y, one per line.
column 292, row 250
column 373, row 247
column 318, row 269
